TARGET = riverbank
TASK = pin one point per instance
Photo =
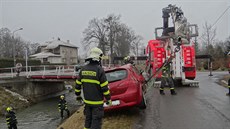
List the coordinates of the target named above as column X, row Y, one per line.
column 18, row 102
column 123, row 119
column 12, row 99
column 43, row 114
column 224, row 80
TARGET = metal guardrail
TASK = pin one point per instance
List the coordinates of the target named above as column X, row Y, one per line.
column 43, row 70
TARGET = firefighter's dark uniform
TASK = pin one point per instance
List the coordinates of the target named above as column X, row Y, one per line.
column 62, row 105
column 95, row 87
column 228, row 87
column 166, row 77
column 11, row 120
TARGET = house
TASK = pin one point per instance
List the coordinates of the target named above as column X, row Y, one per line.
column 57, row 52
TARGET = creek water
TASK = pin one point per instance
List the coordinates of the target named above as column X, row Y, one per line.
column 43, row 115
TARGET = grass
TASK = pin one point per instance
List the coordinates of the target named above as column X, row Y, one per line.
column 112, row 120
column 7, row 99
column 226, row 77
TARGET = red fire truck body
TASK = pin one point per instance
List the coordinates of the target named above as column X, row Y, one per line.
column 175, row 45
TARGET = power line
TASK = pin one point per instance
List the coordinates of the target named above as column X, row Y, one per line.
column 220, row 16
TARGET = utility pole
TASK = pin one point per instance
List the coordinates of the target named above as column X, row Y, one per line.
column 26, row 62
column 14, row 45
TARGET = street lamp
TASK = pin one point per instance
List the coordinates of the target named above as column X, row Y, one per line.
column 14, row 45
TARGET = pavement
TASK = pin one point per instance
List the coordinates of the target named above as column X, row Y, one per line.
column 203, row 107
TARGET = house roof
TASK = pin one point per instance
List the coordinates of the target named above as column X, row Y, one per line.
column 44, row 44
column 55, row 43
column 44, row 55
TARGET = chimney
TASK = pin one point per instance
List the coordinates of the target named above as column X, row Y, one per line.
column 59, row 39
column 67, row 41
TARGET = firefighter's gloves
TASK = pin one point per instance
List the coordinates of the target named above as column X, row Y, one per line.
column 108, row 103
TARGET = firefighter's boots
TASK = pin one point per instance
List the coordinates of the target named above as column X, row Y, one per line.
column 173, row 92
column 162, row 92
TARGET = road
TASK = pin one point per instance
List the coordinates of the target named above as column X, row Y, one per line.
column 203, row 107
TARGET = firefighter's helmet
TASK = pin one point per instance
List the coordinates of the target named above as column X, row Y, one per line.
column 127, row 58
column 95, row 54
column 62, row 96
column 8, row 109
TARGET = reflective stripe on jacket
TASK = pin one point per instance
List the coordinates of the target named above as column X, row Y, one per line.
column 11, row 118
column 94, row 83
column 62, row 104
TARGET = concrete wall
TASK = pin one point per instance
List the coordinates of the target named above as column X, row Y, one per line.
column 34, row 88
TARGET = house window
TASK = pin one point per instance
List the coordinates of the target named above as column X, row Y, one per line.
column 63, row 60
column 45, row 59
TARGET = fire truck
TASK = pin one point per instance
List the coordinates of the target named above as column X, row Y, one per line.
column 175, row 46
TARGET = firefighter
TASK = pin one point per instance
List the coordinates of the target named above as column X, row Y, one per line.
column 62, row 105
column 128, row 60
column 18, row 68
column 95, row 88
column 11, row 119
column 166, row 77
column 228, row 87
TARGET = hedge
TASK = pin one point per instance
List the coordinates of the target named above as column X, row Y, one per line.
column 9, row 62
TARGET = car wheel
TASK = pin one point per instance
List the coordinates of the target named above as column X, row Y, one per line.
column 143, row 102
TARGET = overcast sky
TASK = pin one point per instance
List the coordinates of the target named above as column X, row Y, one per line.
column 43, row 20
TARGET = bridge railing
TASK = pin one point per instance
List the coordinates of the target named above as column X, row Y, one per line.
column 43, row 70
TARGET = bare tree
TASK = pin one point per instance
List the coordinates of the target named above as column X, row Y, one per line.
column 7, row 43
column 227, row 45
column 111, row 36
column 112, row 23
column 123, row 41
column 208, row 36
column 95, row 33
column 136, row 44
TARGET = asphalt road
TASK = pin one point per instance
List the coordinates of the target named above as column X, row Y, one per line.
column 203, row 107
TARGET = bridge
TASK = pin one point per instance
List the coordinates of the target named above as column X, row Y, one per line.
column 37, row 81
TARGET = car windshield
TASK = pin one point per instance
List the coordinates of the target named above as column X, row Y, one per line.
column 116, row 75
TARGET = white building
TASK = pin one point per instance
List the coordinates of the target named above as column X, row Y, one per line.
column 57, row 51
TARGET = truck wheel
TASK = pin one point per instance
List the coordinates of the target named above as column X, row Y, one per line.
column 143, row 102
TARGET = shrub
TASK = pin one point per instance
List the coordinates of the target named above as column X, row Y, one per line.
column 9, row 62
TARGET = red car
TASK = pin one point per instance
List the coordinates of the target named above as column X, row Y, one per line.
column 127, row 87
